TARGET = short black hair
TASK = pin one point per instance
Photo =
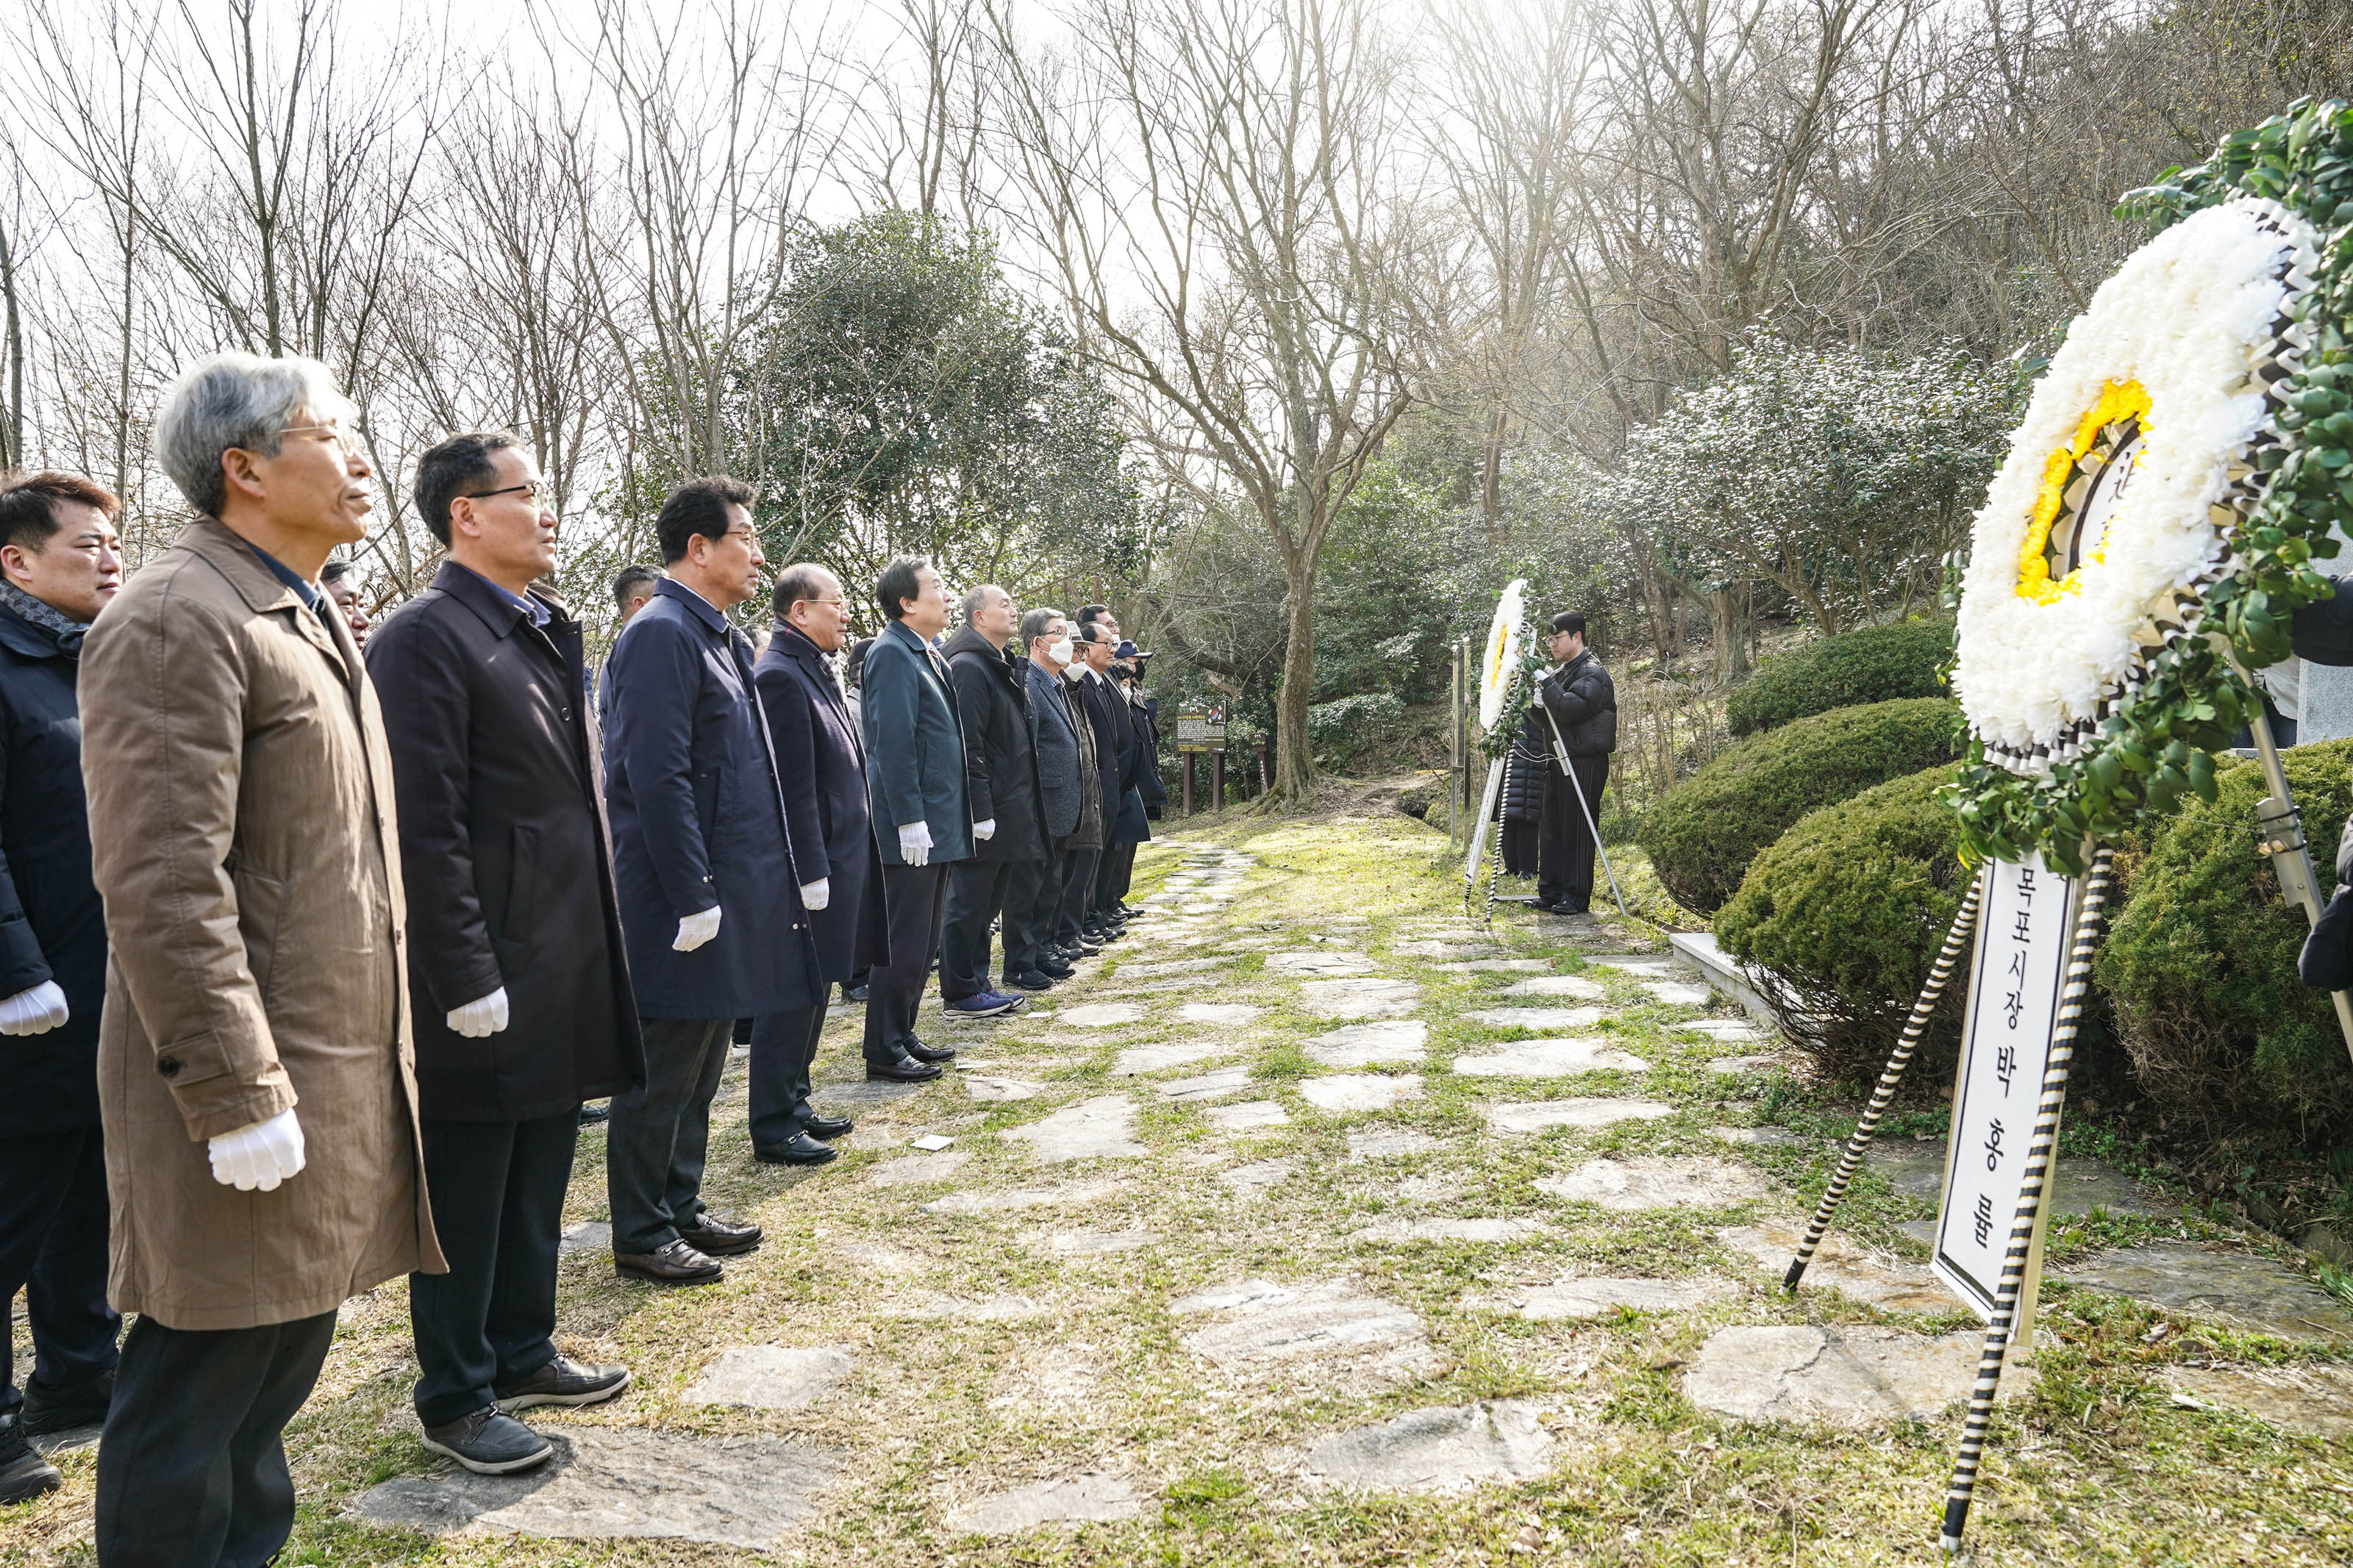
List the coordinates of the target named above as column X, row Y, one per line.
column 1089, row 613
column 900, row 580
column 1091, row 632
column 333, row 572
column 28, row 506
column 1569, row 621
column 453, row 468
column 627, row 580
column 854, row 667
column 699, row 507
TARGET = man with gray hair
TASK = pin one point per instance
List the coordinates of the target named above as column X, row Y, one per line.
column 257, row 1000
column 1066, row 799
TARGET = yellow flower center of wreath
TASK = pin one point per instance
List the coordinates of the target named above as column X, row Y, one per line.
column 2119, row 401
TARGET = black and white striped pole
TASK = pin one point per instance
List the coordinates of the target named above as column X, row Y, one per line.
column 1891, row 1077
column 2033, row 1181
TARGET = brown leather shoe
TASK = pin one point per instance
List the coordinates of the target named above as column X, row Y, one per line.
column 716, row 1237
column 672, row 1263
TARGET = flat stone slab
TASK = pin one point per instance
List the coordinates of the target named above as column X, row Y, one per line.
column 1404, row 1231
column 1759, row 1137
column 1095, row 1129
column 1653, row 1182
column 1724, row 1031
column 1744, row 1067
column 1575, row 985
column 2246, row 1292
column 1858, row 1378
column 1014, row 1199
column 1095, row 1498
column 1232, row 1014
column 1103, row 1014
column 1430, row 947
column 913, row 1169
column 1208, row 1086
column 1253, row 1179
column 1538, row 1018
column 1258, row 1320
column 1135, row 970
column 1597, row 1296
column 1248, row 1116
column 1388, row 1145
column 1549, row 1059
column 2312, row 1401
column 623, row 1482
column 862, row 1092
column 1680, row 993
column 1536, row 1115
column 1654, row 966
column 67, row 1440
column 1367, row 997
column 1098, row 1243
column 1441, row 1450
column 1359, row 1091
column 770, row 1377
column 990, row 1088
column 592, row 1236
column 1890, row 1283
column 2077, row 1187
column 1367, row 1045
column 1139, row 1060
column 1319, row 961
column 1495, row 967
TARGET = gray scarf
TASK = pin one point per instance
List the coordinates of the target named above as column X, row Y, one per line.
column 55, row 622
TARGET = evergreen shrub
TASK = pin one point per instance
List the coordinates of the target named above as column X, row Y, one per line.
column 1848, row 910
column 1703, row 833
column 1870, row 664
column 2200, row 963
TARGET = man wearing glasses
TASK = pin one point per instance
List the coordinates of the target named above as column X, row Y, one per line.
column 711, row 901
column 522, row 1000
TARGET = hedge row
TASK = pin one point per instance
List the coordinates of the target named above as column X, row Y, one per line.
column 1872, row 664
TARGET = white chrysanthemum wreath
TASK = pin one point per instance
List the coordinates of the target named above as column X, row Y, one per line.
column 1505, row 636
column 2135, row 462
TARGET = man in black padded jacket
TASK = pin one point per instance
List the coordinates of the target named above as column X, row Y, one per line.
column 1579, row 701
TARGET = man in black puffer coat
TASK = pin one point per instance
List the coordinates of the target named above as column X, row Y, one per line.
column 1001, row 765
column 1580, row 702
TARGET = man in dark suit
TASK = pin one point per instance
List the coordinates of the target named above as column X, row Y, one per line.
column 1116, row 749
column 523, row 1001
column 711, row 901
column 1067, row 800
column 822, row 764
column 915, row 780
column 59, row 567
column 1000, row 771
column 1580, row 705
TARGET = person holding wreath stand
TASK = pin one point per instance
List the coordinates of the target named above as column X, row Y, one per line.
column 1576, row 715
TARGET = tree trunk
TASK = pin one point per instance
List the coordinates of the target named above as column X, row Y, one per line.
column 1295, row 763
column 1724, row 628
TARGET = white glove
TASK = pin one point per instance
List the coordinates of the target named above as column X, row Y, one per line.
column 696, row 930
column 34, row 1012
column 486, row 1017
column 985, row 830
column 915, row 844
column 261, row 1155
column 818, row 894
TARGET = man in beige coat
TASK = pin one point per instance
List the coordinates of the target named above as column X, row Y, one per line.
column 255, row 1073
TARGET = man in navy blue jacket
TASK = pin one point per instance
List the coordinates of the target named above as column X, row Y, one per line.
column 915, row 778
column 57, row 568
column 822, row 764
column 711, row 904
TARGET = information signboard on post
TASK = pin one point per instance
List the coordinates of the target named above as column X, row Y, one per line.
column 2015, row 984
column 1200, row 731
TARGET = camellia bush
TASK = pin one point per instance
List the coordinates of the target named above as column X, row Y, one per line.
column 1703, row 836
column 1848, row 910
column 1870, row 664
column 2201, row 963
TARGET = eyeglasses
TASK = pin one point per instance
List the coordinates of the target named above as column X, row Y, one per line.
column 538, row 490
column 349, row 440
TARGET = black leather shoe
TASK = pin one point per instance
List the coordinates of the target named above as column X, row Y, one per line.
column 596, row 1112
column 900, row 1069
column 853, row 992
column 1030, row 980
column 23, row 1473
column 48, row 1410
column 1055, row 968
column 561, row 1382
column 933, row 1054
column 672, row 1263
column 490, row 1444
column 716, row 1237
column 829, row 1127
column 800, row 1148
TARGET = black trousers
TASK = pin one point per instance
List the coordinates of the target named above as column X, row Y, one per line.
column 1078, row 894
column 192, row 1468
column 784, row 1048
column 497, row 1189
column 656, row 1142
column 1113, row 875
column 894, row 991
column 976, row 897
column 1564, row 848
column 1033, row 898
column 53, row 1248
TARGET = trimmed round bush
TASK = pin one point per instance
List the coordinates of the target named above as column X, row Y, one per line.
column 1848, row 910
column 1702, row 836
column 1870, row 664
column 2200, row 963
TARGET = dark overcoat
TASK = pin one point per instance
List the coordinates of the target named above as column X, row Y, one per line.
column 1062, row 792
column 1583, row 701
column 822, row 765
column 915, row 746
column 697, row 820
column 52, row 924
column 505, row 854
column 1124, row 818
column 1000, row 748
column 1093, row 697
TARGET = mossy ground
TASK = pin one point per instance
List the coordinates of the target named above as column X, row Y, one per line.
column 2096, row 1466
